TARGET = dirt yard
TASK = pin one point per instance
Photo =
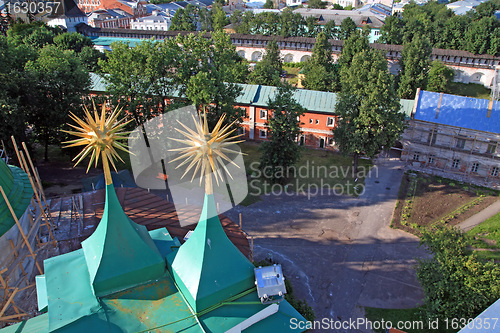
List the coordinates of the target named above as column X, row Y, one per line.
column 425, row 200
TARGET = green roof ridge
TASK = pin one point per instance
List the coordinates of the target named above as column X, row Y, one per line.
column 120, row 253
column 208, row 268
column 17, row 187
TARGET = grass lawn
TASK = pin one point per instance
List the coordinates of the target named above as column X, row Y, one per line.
column 426, row 200
column 410, row 317
column 316, row 169
column 470, row 90
column 487, row 236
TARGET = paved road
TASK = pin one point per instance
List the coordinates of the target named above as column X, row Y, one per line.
column 339, row 251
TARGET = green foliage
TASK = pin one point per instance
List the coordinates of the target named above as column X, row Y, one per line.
column 355, row 44
column 268, row 70
column 440, row 77
column 456, row 284
column 347, row 28
column 414, row 66
column 392, row 31
column 185, row 19
column 367, row 107
column 269, row 4
column 58, row 80
column 206, row 70
column 218, row 17
column 320, row 72
column 282, row 150
column 317, row 4
column 477, row 32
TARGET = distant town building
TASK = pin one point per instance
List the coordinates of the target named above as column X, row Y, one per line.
column 109, row 18
column 463, row 6
column 133, row 8
column 156, row 21
column 361, row 19
column 67, row 16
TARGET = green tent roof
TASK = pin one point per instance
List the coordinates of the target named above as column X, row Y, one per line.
column 17, row 187
column 208, row 268
column 120, row 253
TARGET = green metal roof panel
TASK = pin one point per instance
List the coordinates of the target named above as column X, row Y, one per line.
column 69, row 293
column 230, row 315
column 97, row 82
column 41, row 292
column 120, row 253
column 208, row 268
column 407, row 107
column 248, row 93
column 107, row 41
column 17, row 187
column 34, row 325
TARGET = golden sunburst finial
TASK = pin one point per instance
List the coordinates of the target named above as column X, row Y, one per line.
column 99, row 135
column 206, row 150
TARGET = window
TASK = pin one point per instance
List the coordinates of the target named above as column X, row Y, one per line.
column 416, row 156
column 377, row 33
column 455, row 164
column 432, row 138
column 431, row 159
column 317, row 121
column 475, row 167
column 330, row 121
column 263, row 133
column 263, row 114
column 331, row 142
column 492, row 148
column 494, row 171
column 461, row 143
column 310, row 121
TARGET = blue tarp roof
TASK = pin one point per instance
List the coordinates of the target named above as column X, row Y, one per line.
column 458, row 111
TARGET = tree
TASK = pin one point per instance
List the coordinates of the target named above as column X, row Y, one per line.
column 478, row 35
column 218, row 17
column 347, row 28
column 205, row 72
column 269, row 4
column 456, row 283
column 282, row 150
column 320, row 72
column 355, row 44
column 367, row 108
column 137, row 75
column 392, row 31
column 317, row 4
column 414, row 66
column 268, row 70
column 185, row 19
column 58, row 83
column 440, row 77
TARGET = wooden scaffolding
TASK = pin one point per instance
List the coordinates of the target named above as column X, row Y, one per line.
column 18, row 270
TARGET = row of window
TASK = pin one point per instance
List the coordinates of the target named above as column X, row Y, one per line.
column 302, row 138
column 330, row 121
column 492, row 146
column 455, row 164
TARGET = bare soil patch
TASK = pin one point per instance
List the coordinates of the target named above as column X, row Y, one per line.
column 437, row 200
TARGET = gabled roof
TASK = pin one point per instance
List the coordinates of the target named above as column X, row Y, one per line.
column 473, row 113
column 360, row 18
column 68, row 9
